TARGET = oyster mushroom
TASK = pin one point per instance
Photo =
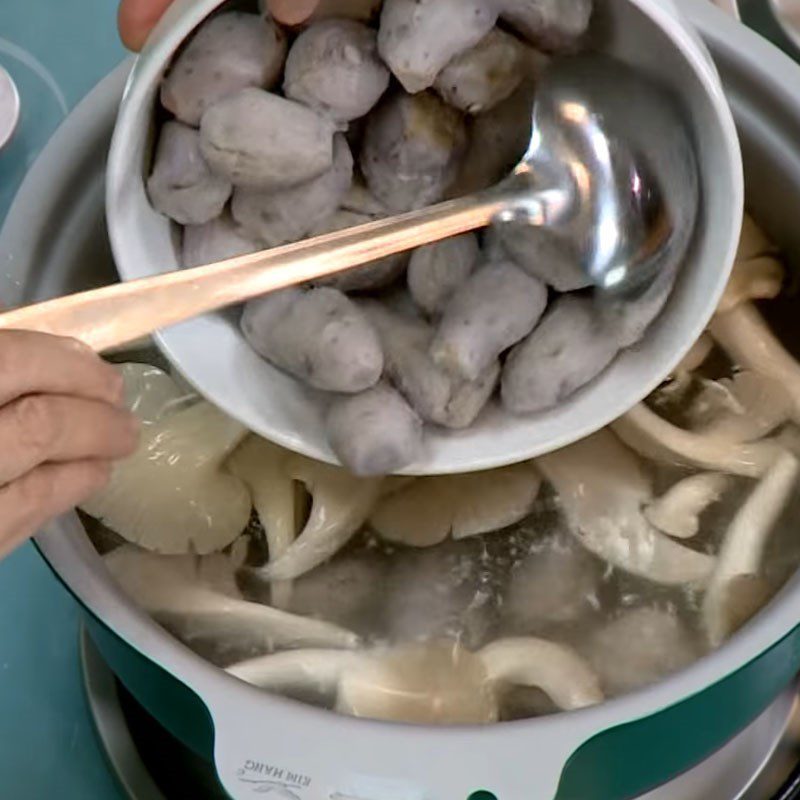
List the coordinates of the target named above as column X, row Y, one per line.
column 435, row 683
column 697, row 355
column 376, row 432
column 477, row 79
column 319, row 336
column 412, row 149
column 261, row 465
column 743, row 408
column 757, row 279
column 340, row 505
column 746, row 338
column 601, row 489
column 334, row 68
column 743, row 548
column 263, row 141
column 181, row 185
column 173, row 495
column 429, row 510
column 199, row 597
column 757, row 273
column 231, row 51
column 678, row 510
column 740, row 329
column 417, row 38
column 753, row 242
column 215, row 241
column 496, row 308
column 435, row 395
column 280, row 217
column 675, row 388
column 653, row 437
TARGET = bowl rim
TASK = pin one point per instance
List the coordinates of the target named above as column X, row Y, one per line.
column 515, row 439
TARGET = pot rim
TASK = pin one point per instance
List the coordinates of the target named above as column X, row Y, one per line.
column 66, row 548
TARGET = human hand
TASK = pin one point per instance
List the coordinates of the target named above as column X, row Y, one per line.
column 138, row 17
column 62, row 423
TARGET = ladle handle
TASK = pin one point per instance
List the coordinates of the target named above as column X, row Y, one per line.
column 115, row 315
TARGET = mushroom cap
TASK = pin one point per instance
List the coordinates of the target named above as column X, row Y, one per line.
column 429, row 510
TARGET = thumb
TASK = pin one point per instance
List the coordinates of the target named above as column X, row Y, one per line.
column 292, row 12
column 136, row 18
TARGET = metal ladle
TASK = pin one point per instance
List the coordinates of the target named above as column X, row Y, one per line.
column 610, row 172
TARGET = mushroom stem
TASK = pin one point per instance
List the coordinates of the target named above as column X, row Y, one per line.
column 697, row 356
column 200, row 595
column 259, row 464
column 296, row 670
column 554, row 668
column 212, row 616
column 655, row 438
column 602, row 488
column 749, row 342
column 743, row 546
column 341, row 504
column 677, row 511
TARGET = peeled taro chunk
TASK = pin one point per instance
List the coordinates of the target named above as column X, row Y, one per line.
column 498, row 140
column 181, row 185
column 542, row 254
column 280, row 217
column 373, row 275
column 417, row 38
column 566, row 351
column 318, row 336
column 229, row 52
column 437, row 270
column 496, row 308
column 551, row 25
column 262, row 141
column 412, row 150
column 334, row 68
column 216, row 241
column 437, row 396
column 374, row 433
column 485, row 75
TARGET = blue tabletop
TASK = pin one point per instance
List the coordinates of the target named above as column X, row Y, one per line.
column 55, row 51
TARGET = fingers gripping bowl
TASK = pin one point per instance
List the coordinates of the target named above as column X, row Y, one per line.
column 466, row 430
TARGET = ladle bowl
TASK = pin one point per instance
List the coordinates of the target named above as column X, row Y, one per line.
column 213, row 355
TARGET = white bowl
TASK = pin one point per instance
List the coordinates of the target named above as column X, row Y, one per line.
column 213, row 355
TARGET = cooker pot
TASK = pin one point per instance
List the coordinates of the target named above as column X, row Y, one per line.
column 267, row 745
